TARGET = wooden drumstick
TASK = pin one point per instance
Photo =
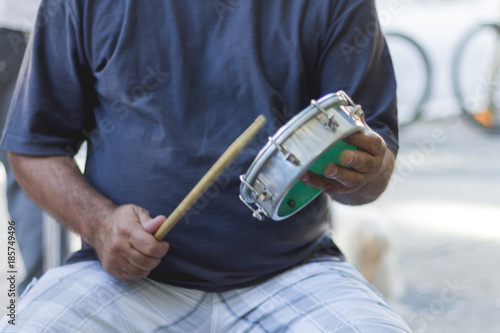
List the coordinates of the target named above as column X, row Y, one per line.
column 212, row 174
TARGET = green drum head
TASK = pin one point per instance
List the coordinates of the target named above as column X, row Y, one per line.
column 301, row 194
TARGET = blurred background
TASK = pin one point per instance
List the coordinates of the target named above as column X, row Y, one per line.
column 440, row 218
column 437, row 227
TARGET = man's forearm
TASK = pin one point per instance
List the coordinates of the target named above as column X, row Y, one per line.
column 56, row 184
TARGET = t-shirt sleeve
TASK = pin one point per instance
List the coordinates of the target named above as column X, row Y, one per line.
column 355, row 58
column 51, row 105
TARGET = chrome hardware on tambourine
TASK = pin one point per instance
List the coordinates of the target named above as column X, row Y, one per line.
column 309, row 141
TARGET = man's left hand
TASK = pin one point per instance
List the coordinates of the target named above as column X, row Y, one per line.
column 363, row 174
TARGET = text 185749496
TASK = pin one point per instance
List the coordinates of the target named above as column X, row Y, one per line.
column 11, row 272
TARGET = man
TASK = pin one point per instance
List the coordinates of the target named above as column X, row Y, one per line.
column 160, row 90
column 16, row 20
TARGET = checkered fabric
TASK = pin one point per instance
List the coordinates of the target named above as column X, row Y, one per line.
column 322, row 296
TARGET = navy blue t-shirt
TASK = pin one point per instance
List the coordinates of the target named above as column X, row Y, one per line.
column 161, row 88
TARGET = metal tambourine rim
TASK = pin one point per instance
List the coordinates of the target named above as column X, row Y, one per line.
column 339, row 98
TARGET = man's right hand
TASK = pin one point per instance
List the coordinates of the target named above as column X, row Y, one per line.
column 122, row 236
column 125, row 243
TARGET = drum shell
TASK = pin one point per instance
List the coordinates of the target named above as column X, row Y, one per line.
column 307, row 137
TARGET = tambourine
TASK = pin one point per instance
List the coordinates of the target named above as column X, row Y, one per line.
column 309, row 141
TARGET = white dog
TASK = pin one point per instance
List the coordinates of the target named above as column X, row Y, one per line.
column 364, row 235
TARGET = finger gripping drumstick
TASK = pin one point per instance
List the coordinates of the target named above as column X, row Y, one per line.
column 212, row 174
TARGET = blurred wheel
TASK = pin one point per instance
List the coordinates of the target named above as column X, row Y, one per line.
column 413, row 76
column 476, row 78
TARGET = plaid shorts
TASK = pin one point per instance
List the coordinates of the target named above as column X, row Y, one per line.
column 323, row 296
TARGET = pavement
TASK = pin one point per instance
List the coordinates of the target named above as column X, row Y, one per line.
column 444, row 207
column 443, row 203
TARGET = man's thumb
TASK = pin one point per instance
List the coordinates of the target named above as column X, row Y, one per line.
column 152, row 225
